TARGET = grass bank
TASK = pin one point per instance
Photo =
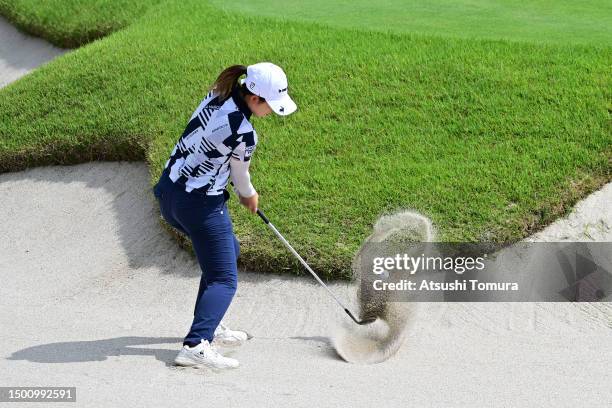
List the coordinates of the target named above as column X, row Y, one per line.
column 72, row 23
column 491, row 139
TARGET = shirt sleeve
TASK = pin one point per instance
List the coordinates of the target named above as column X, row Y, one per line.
column 239, row 165
column 246, row 147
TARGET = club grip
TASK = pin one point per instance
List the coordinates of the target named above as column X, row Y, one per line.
column 263, row 216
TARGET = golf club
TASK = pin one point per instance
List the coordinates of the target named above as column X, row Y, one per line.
column 294, row 252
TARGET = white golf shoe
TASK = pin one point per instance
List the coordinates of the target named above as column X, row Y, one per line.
column 205, row 354
column 224, row 336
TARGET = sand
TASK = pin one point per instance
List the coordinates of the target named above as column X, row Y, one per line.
column 96, row 295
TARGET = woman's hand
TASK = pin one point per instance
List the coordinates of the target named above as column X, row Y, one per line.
column 250, row 203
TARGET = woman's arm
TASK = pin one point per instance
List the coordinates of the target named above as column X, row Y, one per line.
column 239, row 172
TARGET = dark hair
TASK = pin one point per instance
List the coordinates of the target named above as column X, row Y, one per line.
column 228, row 79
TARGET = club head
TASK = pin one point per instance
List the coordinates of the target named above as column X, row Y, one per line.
column 365, row 321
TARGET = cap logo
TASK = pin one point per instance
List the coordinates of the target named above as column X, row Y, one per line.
column 252, row 85
column 281, row 90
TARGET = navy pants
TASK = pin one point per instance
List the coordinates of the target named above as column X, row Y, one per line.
column 206, row 221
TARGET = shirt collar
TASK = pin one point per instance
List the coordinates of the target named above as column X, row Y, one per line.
column 240, row 103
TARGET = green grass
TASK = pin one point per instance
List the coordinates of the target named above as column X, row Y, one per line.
column 550, row 21
column 491, row 139
column 71, row 23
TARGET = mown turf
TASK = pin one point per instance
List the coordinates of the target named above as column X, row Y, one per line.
column 541, row 21
column 71, row 23
column 491, row 139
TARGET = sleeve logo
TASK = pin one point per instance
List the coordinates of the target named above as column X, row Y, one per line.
column 249, row 151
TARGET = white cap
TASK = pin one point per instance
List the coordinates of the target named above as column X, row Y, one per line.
column 270, row 82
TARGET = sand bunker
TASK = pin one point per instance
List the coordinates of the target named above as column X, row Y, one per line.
column 96, row 294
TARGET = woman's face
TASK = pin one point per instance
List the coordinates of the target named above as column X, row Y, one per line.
column 258, row 107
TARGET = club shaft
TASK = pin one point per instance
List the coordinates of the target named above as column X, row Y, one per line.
column 294, row 252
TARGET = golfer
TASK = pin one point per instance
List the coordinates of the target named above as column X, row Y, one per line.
column 216, row 146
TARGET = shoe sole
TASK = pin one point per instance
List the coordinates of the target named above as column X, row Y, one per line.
column 183, row 362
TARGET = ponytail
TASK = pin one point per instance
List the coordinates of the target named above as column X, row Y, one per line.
column 227, row 80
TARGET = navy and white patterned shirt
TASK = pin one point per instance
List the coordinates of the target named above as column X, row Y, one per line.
column 218, row 130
